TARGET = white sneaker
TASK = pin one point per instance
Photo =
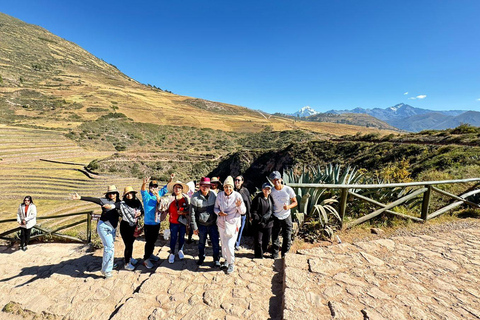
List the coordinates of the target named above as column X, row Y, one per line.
column 148, row 264
column 171, row 258
column 181, row 256
column 129, row 266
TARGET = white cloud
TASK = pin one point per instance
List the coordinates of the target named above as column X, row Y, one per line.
column 405, row 93
column 422, row 96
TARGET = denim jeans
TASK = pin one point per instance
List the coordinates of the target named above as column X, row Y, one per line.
column 107, row 234
column 212, row 231
column 177, row 230
column 244, row 217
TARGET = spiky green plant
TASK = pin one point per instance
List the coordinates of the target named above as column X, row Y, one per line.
column 317, row 203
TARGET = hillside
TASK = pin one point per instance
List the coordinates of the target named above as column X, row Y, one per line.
column 50, row 82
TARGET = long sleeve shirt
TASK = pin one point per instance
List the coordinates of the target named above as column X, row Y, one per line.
column 227, row 204
column 150, row 205
column 110, row 215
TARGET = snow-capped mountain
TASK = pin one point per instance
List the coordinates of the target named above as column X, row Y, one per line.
column 304, row 112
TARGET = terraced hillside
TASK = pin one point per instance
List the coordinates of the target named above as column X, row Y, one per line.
column 48, row 167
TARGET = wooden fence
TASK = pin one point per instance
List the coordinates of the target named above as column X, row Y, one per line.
column 45, row 232
column 426, row 188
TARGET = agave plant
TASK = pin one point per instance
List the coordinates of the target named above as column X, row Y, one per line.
column 317, row 203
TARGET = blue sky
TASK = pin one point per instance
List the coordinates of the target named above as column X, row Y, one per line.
column 279, row 56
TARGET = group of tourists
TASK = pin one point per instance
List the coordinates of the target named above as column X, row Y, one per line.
column 217, row 211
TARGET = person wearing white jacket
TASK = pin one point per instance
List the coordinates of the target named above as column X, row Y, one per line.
column 229, row 207
column 27, row 218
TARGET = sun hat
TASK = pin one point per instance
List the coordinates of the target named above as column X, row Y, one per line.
column 266, row 185
column 205, row 181
column 128, row 190
column 112, row 189
column 275, row 175
column 228, row 181
column 173, row 183
column 215, row 180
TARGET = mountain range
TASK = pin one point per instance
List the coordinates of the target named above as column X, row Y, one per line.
column 406, row 117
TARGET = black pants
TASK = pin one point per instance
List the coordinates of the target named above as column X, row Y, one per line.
column 151, row 236
column 286, row 227
column 127, row 235
column 261, row 237
column 24, row 236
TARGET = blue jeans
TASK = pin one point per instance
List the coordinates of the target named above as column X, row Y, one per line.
column 244, row 217
column 177, row 230
column 212, row 231
column 107, row 234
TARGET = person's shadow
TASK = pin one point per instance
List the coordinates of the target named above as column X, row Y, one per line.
column 82, row 267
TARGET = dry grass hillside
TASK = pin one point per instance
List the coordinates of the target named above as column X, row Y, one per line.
column 50, row 82
column 24, row 171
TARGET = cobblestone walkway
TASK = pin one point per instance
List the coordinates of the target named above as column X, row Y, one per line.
column 421, row 277
column 62, row 281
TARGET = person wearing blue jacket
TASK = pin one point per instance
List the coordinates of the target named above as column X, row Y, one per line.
column 151, row 228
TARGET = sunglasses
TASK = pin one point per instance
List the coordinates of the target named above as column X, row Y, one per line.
column 238, row 180
column 155, row 186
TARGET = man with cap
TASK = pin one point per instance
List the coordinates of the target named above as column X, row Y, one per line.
column 262, row 220
column 151, row 228
column 204, row 221
column 284, row 200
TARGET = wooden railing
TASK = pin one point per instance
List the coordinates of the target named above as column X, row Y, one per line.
column 425, row 187
column 45, row 232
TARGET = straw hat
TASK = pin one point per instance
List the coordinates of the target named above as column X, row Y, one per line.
column 112, row 189
column 215, row 179
column 128, row 190
column 173, row 183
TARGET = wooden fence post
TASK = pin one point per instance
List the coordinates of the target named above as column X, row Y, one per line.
column 343, row 205
column 89, row 227
column 426, row 203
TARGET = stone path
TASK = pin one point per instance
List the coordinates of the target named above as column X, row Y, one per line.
column 421, row 277
column 408, row 277
column 62, row 281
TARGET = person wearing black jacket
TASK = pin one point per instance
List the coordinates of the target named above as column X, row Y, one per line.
column 247, row 200
column 262, row 220
column 107, row 224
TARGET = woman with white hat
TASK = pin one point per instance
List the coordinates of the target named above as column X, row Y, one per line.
column 107, row 224
column 27, row 218
column 179, row 210
column 131, row 209
column 229, row 207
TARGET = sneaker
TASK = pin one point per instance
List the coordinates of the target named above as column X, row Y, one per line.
column 171, row 258
column 24, row 248
column 148, row 264
column 224, row 265
column 107, row 275
column 216, row 264
column 237, row 248
column 133, row 261
column 129, row 266
column 181, row 256
column 275, row 256
column 200, row 261
column 154, row 258
column 230, row 269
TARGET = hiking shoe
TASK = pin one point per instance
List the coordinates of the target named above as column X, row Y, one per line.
column 216, row 264
column 171, row 258
column 154, row 258
column 129, row 266
column 230, row 269
column 181, row 256
column 133, row 261
column 148, row 264
column 200, row 261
